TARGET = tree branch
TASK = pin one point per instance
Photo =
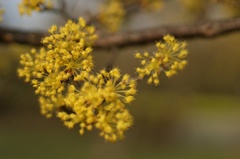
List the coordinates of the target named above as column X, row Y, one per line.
column 206, row 30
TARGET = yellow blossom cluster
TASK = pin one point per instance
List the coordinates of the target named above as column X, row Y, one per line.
column 231, row 7
column 198, row 6
column 168, row 58
column 195, row 6
column 27, row 6
column 68, row 54
column 62, row 75
column 100, row 103
column 112, row 14
column 1, row 13
column 49, row 106
column 151, row 4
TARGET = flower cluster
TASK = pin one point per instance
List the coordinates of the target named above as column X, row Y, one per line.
column 169, row 58
column 112, row 14
column 67, row 55
column 100, row 102
column 194, row 6
column 231, row 7
column 62, row 75
column 151, row 4
column 199, row 6
column 1, row 13
column 27, row 6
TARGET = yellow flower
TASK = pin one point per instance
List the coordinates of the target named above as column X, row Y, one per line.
column 168, row 58
column 100, row 102
column 151, row 4
column 62, row 75
column 50, row 105
column 112, row 14
column 195, row 6
column 67, row 56
column 1, row 13
column 27, row 6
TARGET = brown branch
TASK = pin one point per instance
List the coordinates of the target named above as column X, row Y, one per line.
column 207, row 29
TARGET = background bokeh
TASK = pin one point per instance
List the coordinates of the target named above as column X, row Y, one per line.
column 192, row 115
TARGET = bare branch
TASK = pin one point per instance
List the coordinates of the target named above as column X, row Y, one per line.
column 206, row 30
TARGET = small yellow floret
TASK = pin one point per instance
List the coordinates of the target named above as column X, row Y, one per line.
column 168, row 58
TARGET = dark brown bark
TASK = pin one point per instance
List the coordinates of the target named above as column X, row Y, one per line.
column 205, row 29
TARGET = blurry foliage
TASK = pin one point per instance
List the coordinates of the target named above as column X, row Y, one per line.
column 200, row 9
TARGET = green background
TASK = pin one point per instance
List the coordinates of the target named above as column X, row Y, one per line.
column 194, row 114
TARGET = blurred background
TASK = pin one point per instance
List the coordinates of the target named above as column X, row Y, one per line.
column 193, row 115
